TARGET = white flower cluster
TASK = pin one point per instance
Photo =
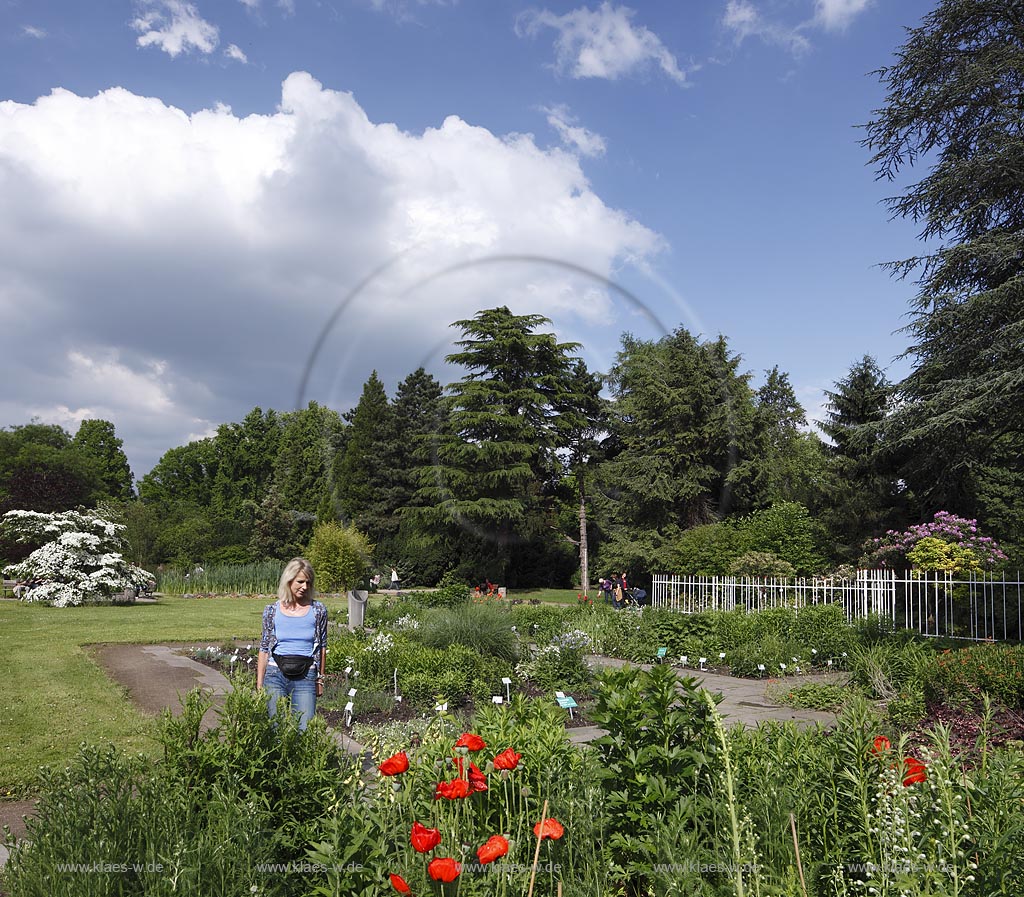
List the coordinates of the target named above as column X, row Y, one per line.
column 81, row 562
column 406, row 622
column 381, row 643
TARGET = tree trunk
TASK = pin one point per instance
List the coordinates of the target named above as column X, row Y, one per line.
column 584, row 559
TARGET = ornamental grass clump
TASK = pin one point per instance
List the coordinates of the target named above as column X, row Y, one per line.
column 486, row 629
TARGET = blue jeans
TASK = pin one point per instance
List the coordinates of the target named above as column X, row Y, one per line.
column 301, row 692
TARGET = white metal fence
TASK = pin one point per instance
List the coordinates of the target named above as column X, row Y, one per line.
column 977, row 606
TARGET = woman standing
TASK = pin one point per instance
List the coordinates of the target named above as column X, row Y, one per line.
column 293, row 645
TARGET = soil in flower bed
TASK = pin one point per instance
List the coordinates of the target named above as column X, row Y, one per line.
column 1006, row 728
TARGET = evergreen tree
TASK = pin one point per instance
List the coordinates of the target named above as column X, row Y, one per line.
column 795, row 460
column 97, row 440
column 424, row 552
column 954, row 102
column 362, row 469
column 864, row 495
column 686, row 444
column 497, row 452
column 273, row 531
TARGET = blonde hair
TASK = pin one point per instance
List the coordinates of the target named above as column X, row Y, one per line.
column 291, row 570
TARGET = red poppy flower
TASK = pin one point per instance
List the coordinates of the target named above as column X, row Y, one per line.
column 454, row 790
column 470, row 741
column 395, row 764
column 400, row 884
column 495, row 847
column 507, row 759
column 477, row 780
column 913, row 771
column 880, row 746
column 552, row 829
column 444, row 869
column 423, row 838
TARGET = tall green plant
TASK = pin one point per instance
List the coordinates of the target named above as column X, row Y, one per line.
column 341, row 557
column 655, row 763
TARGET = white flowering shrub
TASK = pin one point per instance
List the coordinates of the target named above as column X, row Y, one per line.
column 81, row 562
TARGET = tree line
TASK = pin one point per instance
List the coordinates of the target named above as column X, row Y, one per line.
column 530, row 463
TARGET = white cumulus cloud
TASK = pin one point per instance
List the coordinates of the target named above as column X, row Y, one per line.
column 175, row 27
column 233, row 51
column 33, row 31
column 169, row 271
column 602, row 43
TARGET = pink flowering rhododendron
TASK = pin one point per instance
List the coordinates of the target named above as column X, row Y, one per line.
column 891, row 549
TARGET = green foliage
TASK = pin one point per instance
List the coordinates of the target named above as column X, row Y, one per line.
column 934, row 554
column 42, row 470
column 203, row 820
column 341, row 557
column 864, row 495
column 97, row 440
column 890, row 668
column 708, row 549
column 451, row 594
column 687, row 443
column 761, row 564
column 308, row 445
column 786, row 531
column 273, row 530
column 812, row 696
column 655, row 761
column 484, row 628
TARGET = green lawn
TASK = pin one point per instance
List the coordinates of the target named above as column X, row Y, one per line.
column 53, row 696
column 551, row 596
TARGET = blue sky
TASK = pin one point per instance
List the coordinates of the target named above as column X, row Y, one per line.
column 190, row 189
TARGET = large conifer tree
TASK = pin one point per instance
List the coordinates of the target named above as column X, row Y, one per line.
column 954, row 102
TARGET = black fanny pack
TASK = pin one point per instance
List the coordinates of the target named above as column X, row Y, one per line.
column 293, row 666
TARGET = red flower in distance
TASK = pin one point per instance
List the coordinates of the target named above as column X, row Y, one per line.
column 495, row 847
column 444, row 869
column 880, row 746
column 395, row 764
column 477, row 780
column 454, row 790
column 400, row 884
column 913, row 771
column 552, row 828
column 424, row 839
column 507, row 759
column 470, row 741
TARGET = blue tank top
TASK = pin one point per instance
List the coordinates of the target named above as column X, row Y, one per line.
column 295, row 635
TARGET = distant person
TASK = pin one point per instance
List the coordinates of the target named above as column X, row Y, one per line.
column 606, row 589
column 395, row 581
column 618, row 595
column 293, row 644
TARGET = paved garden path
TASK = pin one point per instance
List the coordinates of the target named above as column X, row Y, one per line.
column 157, row 677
